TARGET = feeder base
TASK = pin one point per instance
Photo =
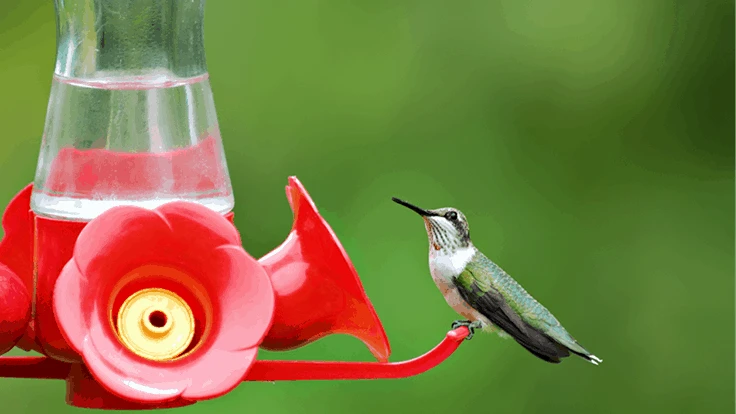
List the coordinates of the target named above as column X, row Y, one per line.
column 82, row 391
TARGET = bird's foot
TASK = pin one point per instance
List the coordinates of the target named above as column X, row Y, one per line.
column 472, row 326
column 460, row 323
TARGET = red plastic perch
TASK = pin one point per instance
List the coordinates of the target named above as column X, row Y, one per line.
column 47, row 368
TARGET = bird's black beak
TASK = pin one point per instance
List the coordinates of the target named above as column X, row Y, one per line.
column 420, row 211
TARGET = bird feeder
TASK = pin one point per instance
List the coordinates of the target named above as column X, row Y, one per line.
column 120, row 262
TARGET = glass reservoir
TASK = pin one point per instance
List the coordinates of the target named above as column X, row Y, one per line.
column 131, row 118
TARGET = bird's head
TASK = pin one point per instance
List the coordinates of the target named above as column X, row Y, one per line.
column 447, row 227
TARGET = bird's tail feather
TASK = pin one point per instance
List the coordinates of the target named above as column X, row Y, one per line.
column 554, row 359
column 556, row 351
column 545, row 348
column 589, row 357
column 593, row 359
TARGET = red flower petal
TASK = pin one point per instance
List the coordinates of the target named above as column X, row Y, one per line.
column 246, row 300
column 68, row 305
column 16, row 247
column 117, row 237
column 218, row 372
column 15, row 309
column 195, row 219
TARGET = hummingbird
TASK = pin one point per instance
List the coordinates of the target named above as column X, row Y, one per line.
column 490, row 299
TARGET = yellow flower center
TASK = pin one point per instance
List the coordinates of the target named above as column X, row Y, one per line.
column 156, row 324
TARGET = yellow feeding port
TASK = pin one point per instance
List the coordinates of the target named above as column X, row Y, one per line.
column 156, row 324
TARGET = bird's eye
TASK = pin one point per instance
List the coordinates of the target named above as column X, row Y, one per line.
column 451, row 215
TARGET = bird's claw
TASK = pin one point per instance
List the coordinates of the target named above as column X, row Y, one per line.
column 457, row 324
column 472, row 326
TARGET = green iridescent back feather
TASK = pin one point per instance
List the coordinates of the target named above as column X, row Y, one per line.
column 487, row 276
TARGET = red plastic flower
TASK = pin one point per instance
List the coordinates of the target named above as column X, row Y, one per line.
column 187, row 249
column 318, row 291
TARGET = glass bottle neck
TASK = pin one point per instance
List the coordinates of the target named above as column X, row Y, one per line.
column 130, row 39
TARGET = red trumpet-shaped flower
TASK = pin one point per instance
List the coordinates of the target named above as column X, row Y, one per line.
column 318, row 291
column 182, row 248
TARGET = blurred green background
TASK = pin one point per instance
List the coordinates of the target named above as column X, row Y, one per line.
column 590, row 143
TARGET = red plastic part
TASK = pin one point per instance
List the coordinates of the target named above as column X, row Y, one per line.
column 16, row 252
column 82, row 390
column 16, row 247
column 54, row 248
column 15, row 309
column 46, row 368
column 323, row 370
column 183, row 247
column 33, row 367
column 318, row 291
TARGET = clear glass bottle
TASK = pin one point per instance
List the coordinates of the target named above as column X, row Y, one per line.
column 131, row 118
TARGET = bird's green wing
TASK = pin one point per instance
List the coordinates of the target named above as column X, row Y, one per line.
column 476, row 288
column 489, row 277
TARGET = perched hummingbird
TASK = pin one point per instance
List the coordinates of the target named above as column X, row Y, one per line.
column 488, row 297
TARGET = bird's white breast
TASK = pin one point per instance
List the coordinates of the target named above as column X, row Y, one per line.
column 444, row 266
